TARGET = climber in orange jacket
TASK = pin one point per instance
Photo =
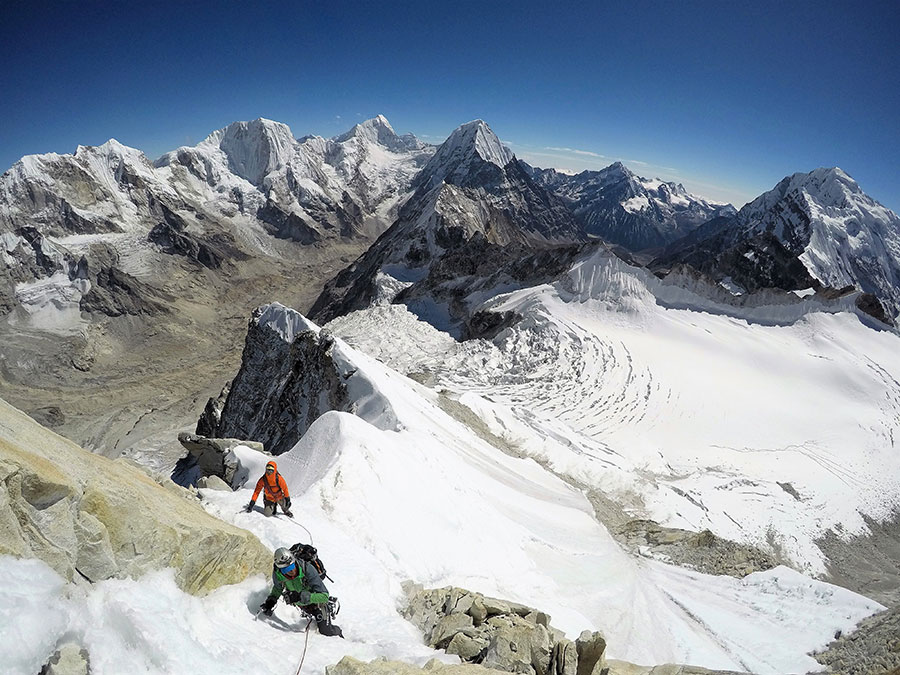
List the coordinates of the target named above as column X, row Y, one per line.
column 275, row 492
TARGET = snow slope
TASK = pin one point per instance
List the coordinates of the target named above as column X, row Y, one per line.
column 696, row 419
column 418, row 495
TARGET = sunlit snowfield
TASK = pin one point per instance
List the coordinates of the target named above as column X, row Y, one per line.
column 689, row 417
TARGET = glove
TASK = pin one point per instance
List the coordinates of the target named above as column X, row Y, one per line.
column 249, row 507
column 297, row 598
column 268, row 605
column 287, row 502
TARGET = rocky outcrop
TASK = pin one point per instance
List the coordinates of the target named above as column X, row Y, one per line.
column 868, row 564
column 210, row 250
column 626, row 668
column 501, row 635
column 282, row 387
column 91, row 518
column 211, row 457
column 291, row 373
column 874, row 647
column 703, row 551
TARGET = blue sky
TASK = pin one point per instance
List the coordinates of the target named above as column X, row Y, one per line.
column 726, row 99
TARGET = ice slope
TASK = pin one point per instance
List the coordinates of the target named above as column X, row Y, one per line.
column 768, row 425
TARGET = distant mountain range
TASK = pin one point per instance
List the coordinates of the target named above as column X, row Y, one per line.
column 618, row 206
column 87, row 220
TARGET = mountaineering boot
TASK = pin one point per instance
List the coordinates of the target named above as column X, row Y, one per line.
column 323, row 623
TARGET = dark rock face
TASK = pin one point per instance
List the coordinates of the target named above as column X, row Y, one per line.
column 491, row 205
column 114, row 293
column 287, row 225
column 280, row 390
column 212, row 414
column 477, row 266
column 753, row 263
column 172, row 237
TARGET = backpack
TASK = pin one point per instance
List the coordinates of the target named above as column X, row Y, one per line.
column 310, row 555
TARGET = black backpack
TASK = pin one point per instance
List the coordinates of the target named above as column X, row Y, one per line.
column 310, row 555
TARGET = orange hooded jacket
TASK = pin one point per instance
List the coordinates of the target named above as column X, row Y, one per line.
column 276, row 488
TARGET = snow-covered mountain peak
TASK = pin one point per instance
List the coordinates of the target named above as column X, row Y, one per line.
column 378, row 131
column 469, row 145
column 112, row 147
column 485, row 141
column 824, row 187
column 617, row 168
column 830, row 187
column 255, row 148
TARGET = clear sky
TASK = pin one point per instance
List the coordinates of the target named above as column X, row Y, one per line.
column 727, row 99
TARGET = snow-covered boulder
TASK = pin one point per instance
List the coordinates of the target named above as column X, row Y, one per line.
column 90, row 518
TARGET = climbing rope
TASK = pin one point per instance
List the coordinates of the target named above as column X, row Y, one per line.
column 305, row 644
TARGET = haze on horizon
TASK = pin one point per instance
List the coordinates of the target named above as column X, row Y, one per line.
column 725, row 100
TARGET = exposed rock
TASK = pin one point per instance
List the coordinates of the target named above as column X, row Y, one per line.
column 209, row 250
column 212, row 413
column 114, row 293
column 69, row 659
column 291, row 373
column 874, row 647
column 211, row 457
column 90, row 518
column 447, row 627
column 563, row 658
column 467, row 648
column 519, row 647
column 500, row 634
column 591, row 649
column 702, row 551
column 281, row 388
column 213, row 483
column 351, row 666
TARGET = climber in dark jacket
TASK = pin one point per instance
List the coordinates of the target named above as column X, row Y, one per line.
column 300, row 584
